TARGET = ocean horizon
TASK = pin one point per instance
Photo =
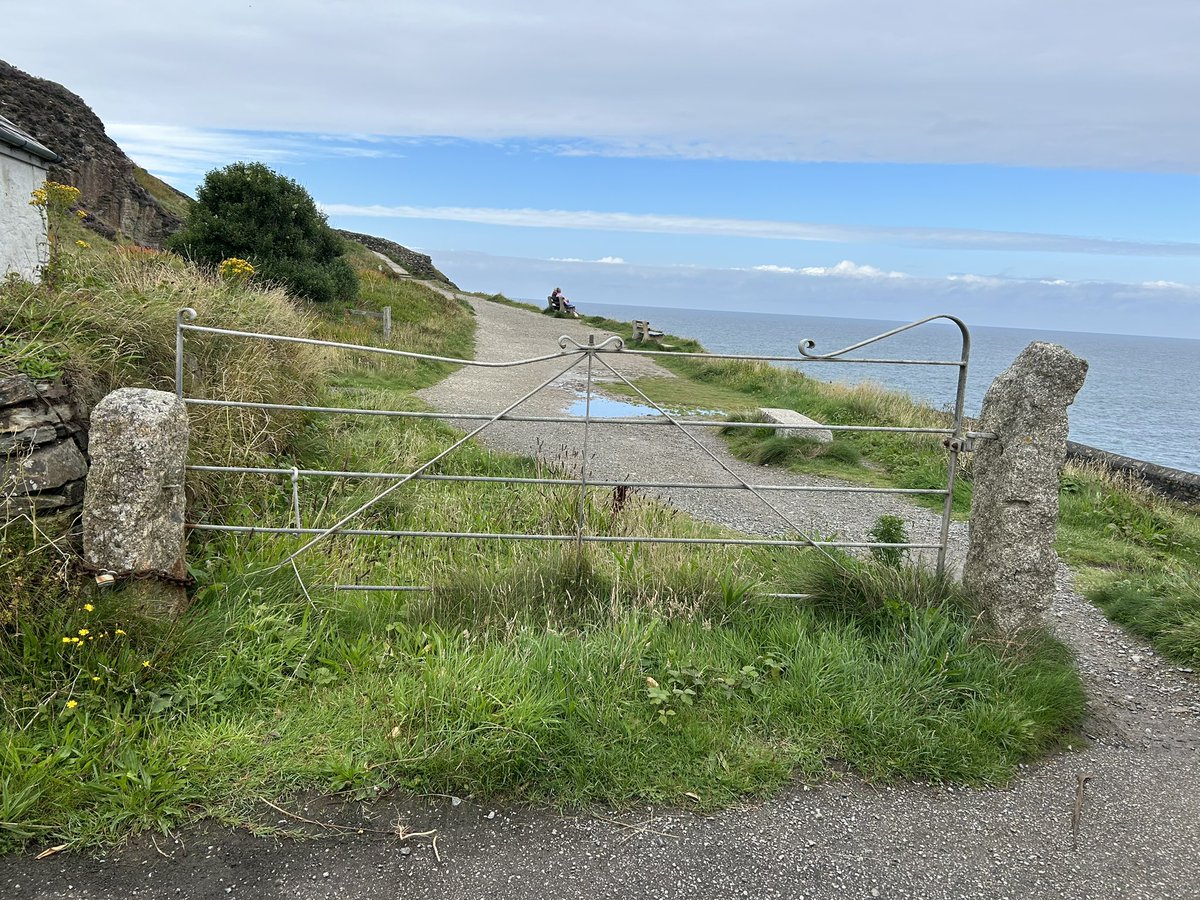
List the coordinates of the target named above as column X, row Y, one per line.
column 1137, row 399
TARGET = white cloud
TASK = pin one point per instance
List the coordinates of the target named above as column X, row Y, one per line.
column 1022, row 82
column 845, row 269
column 848, row 269
column 607, row 260
column 968, row 278
column 955, row 238
column 176, row 152
column 1018, row 303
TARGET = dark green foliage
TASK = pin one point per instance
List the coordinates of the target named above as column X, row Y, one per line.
column 247, row 211
column 869, row 593
column 889, row 530
column 843, row 451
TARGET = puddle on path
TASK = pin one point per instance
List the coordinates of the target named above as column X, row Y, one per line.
column 606, row 408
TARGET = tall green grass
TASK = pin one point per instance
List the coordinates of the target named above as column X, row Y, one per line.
column 1136, row 553
column 529, row 670
column 562, row 682
column 1137, row 556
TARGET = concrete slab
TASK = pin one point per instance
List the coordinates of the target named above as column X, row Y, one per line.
column 797, row 425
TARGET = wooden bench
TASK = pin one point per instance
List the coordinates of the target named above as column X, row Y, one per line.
column 644, row 334
column 794, row 424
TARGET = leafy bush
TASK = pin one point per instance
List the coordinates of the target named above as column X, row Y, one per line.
column 247, row 211
column 889, row 530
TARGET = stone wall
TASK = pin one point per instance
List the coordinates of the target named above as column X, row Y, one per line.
column 1173, row 483
column 43, row 446
column 418, row 265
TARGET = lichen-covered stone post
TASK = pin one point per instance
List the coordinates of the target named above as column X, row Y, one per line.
column 1011, row 561
column 133, row 508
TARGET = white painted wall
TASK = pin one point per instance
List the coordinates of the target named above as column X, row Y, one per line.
column 23, row 246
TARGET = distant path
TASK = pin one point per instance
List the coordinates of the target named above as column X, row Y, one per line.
column 639, row 452
column 392, row 264
column 1139, row 835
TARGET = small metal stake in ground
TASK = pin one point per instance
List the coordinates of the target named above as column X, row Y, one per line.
column 1081, row 783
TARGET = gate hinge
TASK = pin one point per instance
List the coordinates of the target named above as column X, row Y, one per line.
column 964, row 444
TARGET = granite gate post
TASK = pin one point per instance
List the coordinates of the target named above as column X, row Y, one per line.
column 134, row 504
column 1011, row 562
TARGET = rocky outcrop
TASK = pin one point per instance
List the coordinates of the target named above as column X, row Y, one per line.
column 91, row 160
column 43, row 441
column 418, row 265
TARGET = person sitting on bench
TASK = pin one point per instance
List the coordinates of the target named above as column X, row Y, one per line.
column 559, row 303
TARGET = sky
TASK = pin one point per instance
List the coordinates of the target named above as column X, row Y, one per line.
column 1017, row 163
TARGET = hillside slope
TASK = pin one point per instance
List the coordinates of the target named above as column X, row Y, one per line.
column 416, row 264
column 92, row 161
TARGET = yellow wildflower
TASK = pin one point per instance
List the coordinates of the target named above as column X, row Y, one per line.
column 120, row 631
column 95, row 678
column 68, row 640
column 83, row 632
column 87, row 607
column 235, row 269
column 82, row 244
column 145, row 663
column 71, row 704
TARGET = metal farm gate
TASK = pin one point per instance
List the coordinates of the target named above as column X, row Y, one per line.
column 592, row 357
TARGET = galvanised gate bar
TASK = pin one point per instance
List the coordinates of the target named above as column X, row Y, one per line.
column 592, row 357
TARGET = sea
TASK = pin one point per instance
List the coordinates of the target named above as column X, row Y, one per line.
column 1139, row 399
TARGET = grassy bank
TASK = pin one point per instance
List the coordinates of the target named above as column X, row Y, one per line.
column 1136, row 554
column 529, row 671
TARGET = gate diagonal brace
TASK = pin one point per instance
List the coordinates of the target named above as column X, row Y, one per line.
column 424, row 466
column 782, row 515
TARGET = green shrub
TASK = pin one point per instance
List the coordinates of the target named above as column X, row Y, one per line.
column 867, row 592
column 842, row 451
column 889, row 530
column 248, row 211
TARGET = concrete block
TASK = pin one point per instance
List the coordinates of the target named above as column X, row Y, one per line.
column 794, row 424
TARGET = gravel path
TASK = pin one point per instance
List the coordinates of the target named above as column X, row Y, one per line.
column 1138, row 836
column 646, row 453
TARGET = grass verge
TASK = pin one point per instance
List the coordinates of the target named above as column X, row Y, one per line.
column 529, row 670
column 1136, row 554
